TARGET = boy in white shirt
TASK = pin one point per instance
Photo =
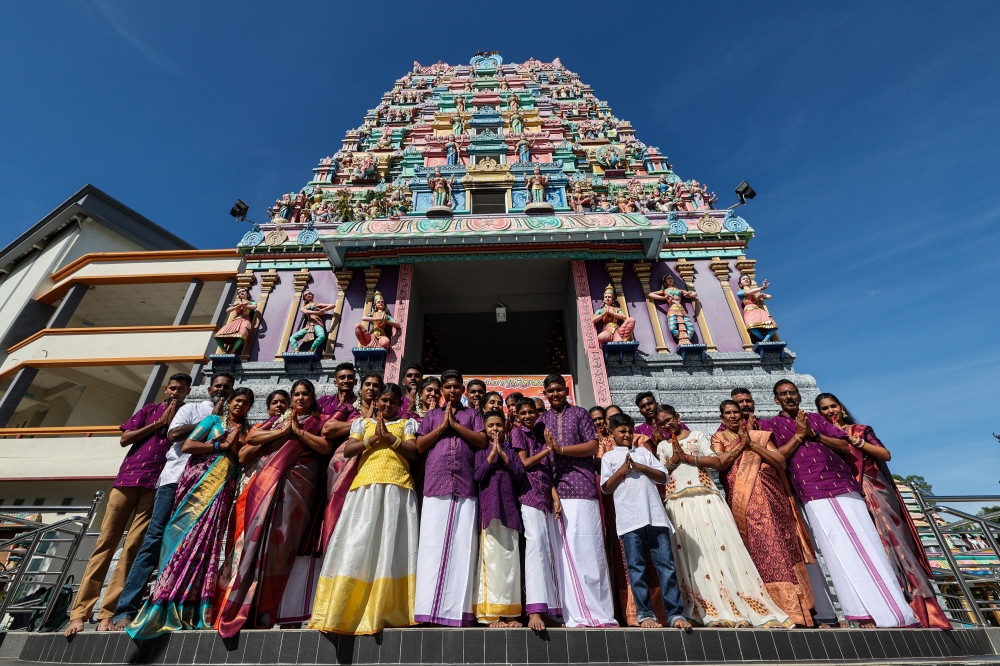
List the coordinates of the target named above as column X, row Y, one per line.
column 631, row 474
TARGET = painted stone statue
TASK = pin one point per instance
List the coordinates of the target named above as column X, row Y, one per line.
column 517, row 123
column 678, row 321
column 536, row 183
column 755, row 315
column 233, row 336
column 376, row 329
column 311, row 326
column 617, row 326
column 524, row 151
column 440, row 188
column 451, row 151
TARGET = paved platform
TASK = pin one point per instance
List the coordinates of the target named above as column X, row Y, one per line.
column 515, row 646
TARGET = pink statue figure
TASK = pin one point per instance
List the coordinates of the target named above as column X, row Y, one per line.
column 513, row 103
column 460, row 103
column 233, row 336
column 440, row 188
column 535, row 184
column 755, row 315
column 378, row 332
column 617, row 327
column 678, row 321
column 311, row 326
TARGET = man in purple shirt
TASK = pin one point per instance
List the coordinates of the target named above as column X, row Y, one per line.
column 866, row 585
column 413, row 375
column 448, row 551
column 134, row 491
column 584, row 580
column 742, row 397
column 646, row 402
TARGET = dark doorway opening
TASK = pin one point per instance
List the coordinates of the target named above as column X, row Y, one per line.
column 487, row 202
column 475, row 343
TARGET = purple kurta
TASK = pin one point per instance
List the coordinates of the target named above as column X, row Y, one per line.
column 644, row 429
column 537, row 492
column 145, row 459
column 816, row 471
column 498, row 484
column 450, row 465
column 575, row 478
column 330, row 404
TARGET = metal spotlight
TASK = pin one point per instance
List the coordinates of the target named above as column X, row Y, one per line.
column 239, row 210
column 744, row 192
column 501, row 313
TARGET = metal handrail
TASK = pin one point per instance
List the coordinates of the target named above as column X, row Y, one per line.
column 36, row 535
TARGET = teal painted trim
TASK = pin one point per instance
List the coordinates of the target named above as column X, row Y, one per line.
column 702, row 254
column 286, row 265
column 554, row 254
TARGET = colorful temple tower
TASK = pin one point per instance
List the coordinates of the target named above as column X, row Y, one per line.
column 513, row 226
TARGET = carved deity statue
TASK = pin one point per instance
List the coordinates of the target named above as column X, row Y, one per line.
column 457, row 124
column 678, row 321
column 755, row 315
column 524, row 151
column 233, row 336
column 311, row 326
column 460, row 103
column 517, row 123
column 375, row 330
column 617, row 326
column 440, row 188
column 451, row 151
column 535, row 184
column 513, row 103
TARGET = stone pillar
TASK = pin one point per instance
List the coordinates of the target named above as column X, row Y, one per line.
column 343, row 282
column 371, row 281
column 615, row 270
column 302, row 278
column 721, row 269
column 642, row 270
column 592, row 348
column 267, row 282
column 685, row 269
column 395, row 357
column 22, row 380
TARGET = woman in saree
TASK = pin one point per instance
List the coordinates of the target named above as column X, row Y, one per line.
column 428, row 398
column 764, row 509
column 279, row 507
column 719, row 581
column 184, row 594
column 894, row 524
column 368, row 580
column 368, row 392
column 250, row 458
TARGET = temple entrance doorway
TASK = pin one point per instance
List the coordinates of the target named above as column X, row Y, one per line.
column 453, row 317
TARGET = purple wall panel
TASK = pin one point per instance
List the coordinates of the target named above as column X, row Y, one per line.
column 272, row 325
column 661, row 268
column 354, row 306
column 637, row 310
column 716, row 308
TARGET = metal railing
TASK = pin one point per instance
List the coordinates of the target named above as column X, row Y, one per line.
column 71, row 530
column 977, row 600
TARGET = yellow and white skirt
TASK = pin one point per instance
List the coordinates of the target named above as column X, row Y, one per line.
column 369, row 575
column 498, row 576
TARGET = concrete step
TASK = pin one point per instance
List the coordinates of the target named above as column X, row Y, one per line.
column 515, row 646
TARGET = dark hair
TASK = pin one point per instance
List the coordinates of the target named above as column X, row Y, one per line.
column 232, row 380
column 540, row 407
column 243, row 390
column 346, row 365
column 314, row 408
column 413, row 366
column 477, row 382
column 610, row 407
column 739, row 390
column 780, row 382
column 642, row 396
column 620, row 420
column 180, row 378
column 369, row 375
column 524, row 401
column 666, row 409
column 722, row 405
column 427, row 381
column 495, row 414
column 516, row 396
column 848, row 419
column 489, row 393
column 598, row 408
column 390, row 387
column 451, row 374
column 553, row 379
column 270, row 396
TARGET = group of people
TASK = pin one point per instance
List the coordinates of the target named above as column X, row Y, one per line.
column 440, row 502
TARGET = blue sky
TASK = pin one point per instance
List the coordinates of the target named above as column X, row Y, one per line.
column 870, row 132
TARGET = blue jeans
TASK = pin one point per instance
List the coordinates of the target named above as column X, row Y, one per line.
column 148, row 557
column 635, row 543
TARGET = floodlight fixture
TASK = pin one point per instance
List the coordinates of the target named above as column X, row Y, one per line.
column 239, row 210
column 501, row 313
column 744, row 192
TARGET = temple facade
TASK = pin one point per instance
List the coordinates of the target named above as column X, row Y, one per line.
column 509, row 222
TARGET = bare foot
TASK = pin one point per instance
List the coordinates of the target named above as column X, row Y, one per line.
column 652, row 624
column 513, row 623
column 75, row 627
column 497, row 625
column 536, row 622
column 122, row 624
column 867, row 624
column 681, row 623
column 822, row 625
column 105, row 624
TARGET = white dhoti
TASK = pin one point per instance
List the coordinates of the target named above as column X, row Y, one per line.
column 866, row 586
column 498, row 576
column 822, row 601
column 297, row 600
column 541, row 536
column 584, row 581
column 447, row 560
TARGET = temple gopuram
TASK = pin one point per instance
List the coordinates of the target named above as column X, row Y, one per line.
column 493, row 205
